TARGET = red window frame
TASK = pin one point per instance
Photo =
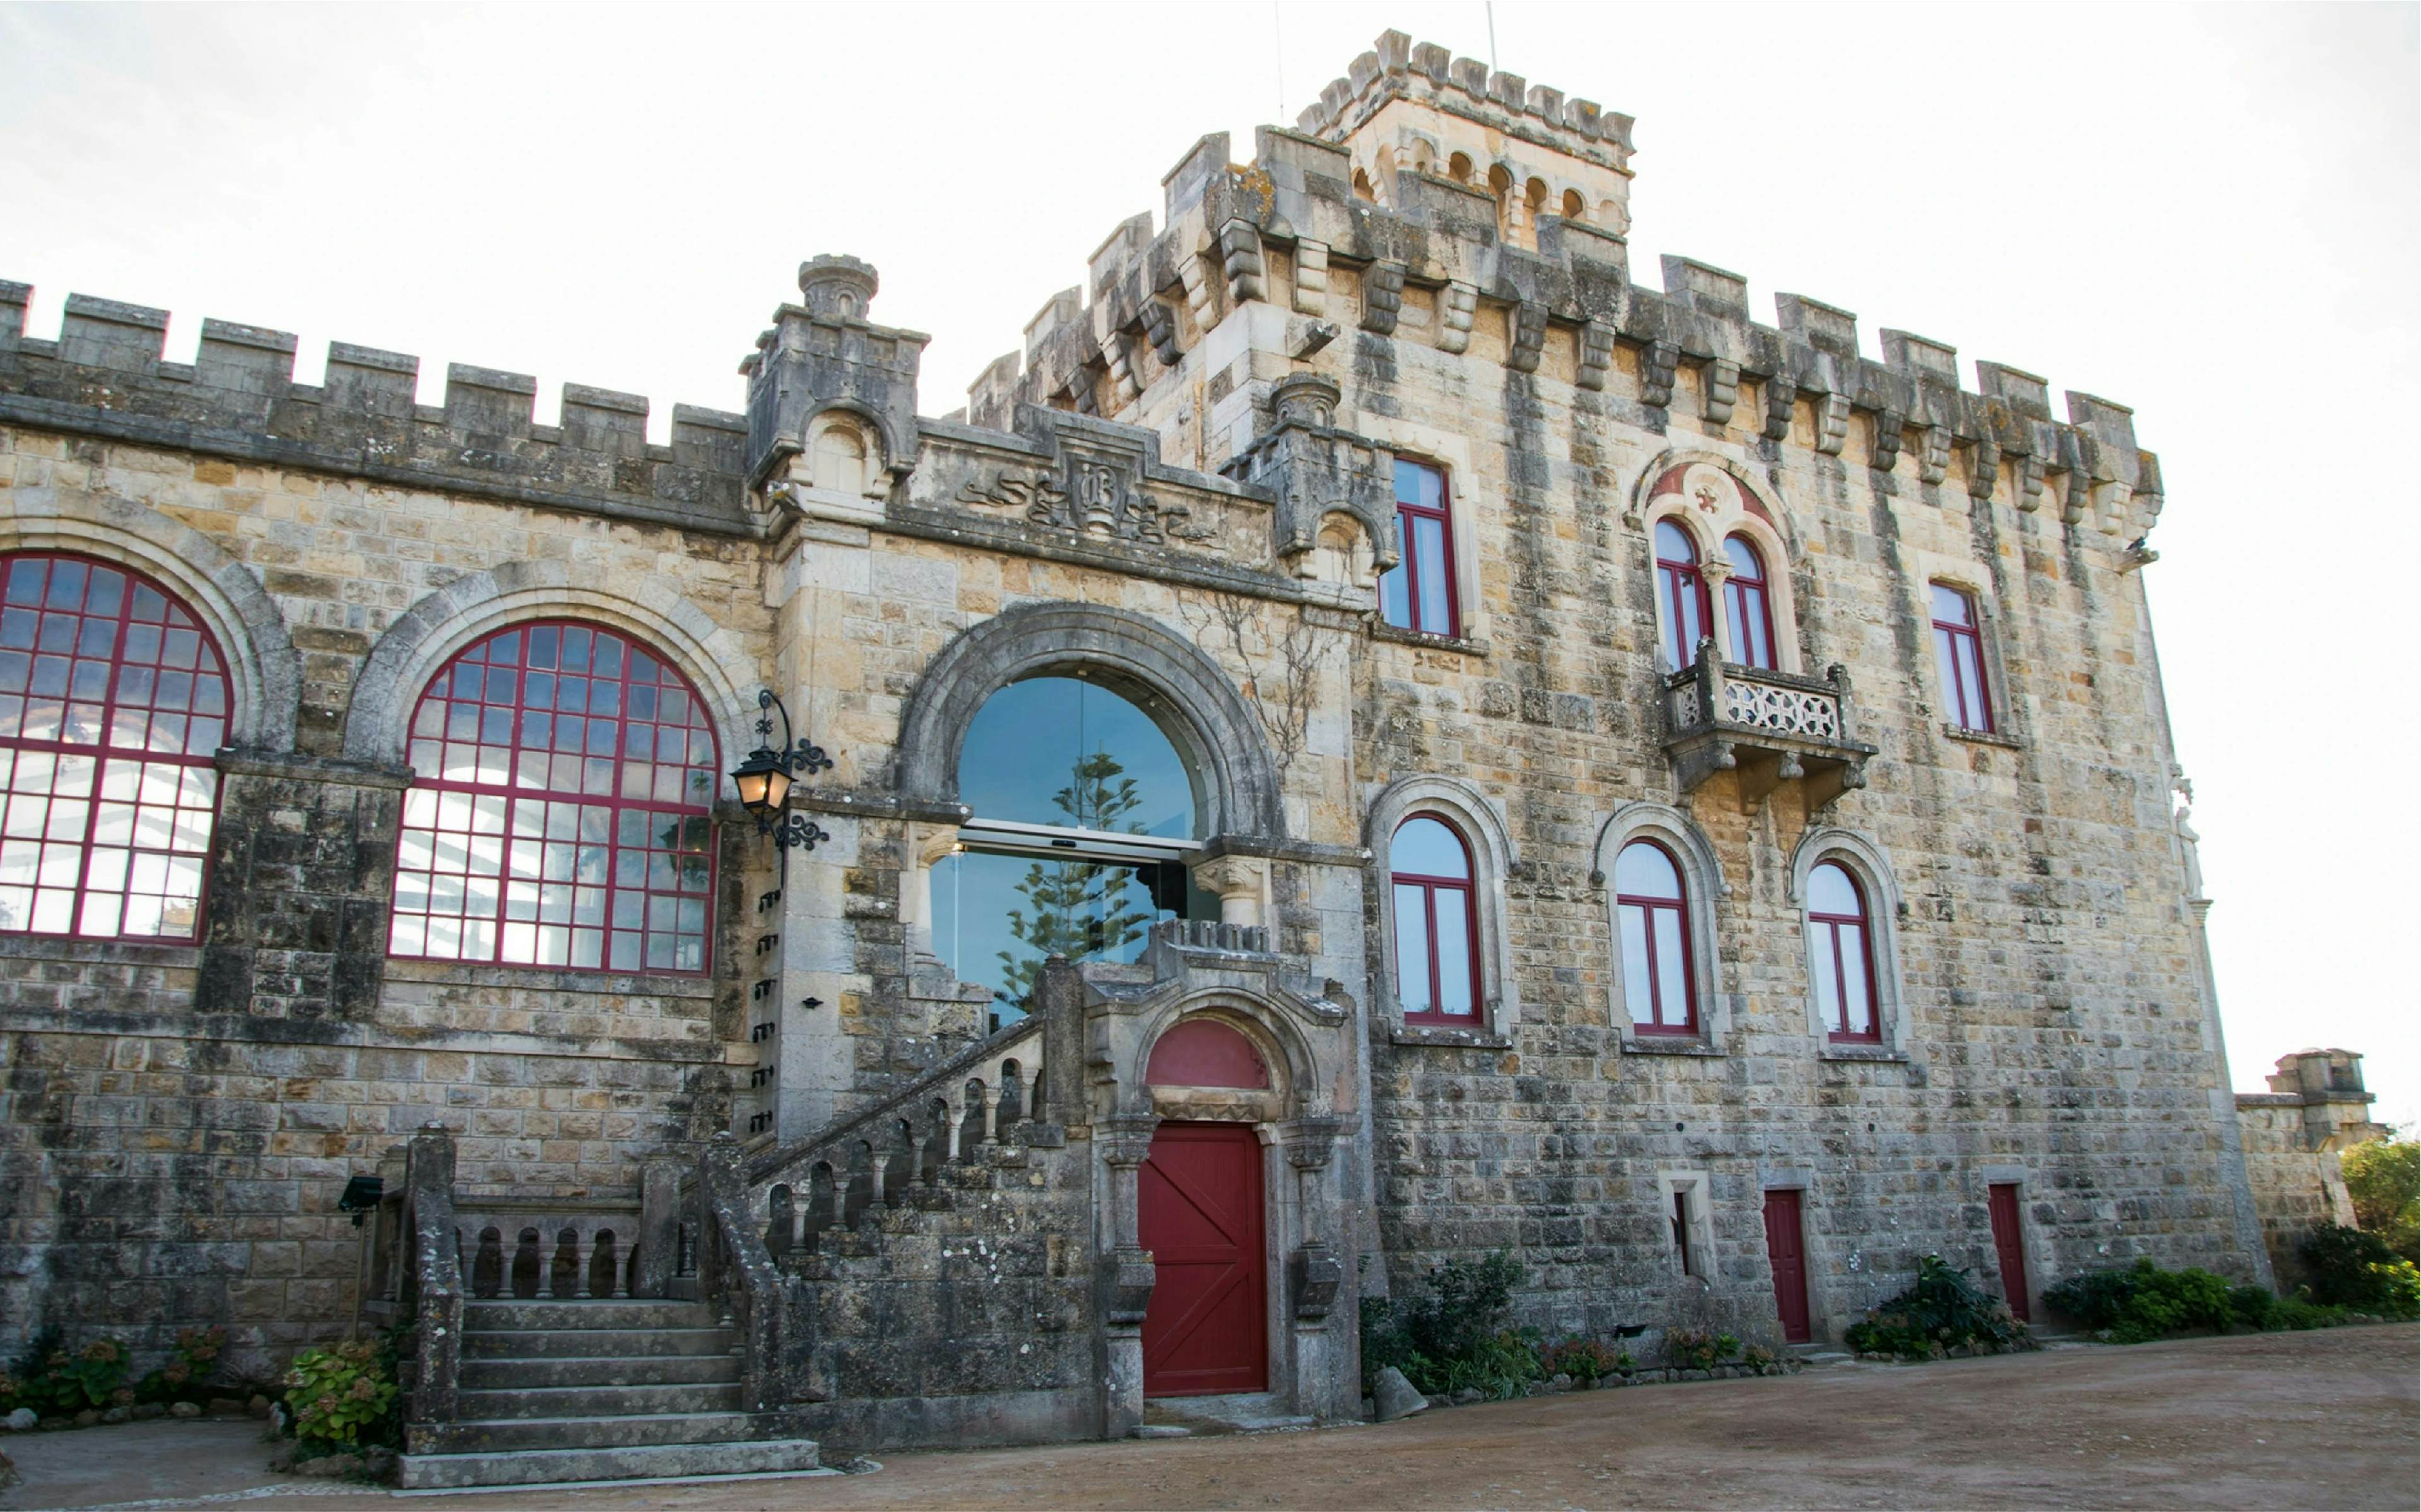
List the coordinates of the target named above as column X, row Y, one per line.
column 1429, row 887
column 1409, row 569
column 1971, row 707
column 1680, row 908
column 110, row 751
column 1826, row 927
column 1676, row 577
column 443, row 686
column 1748, row 601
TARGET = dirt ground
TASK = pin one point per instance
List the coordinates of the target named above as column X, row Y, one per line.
column 2268, row 1421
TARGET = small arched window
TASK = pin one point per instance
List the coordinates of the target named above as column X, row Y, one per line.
column 1362, row 189
column 1959, row 653
column 840, row 462
column 1682, row 612
column 1576, row 206
column 1748, row 610
column 1652, row 909
column 1458, row 167
column 112, row 701
column 560, row 809
column 1840, row 955
column 1437, row 930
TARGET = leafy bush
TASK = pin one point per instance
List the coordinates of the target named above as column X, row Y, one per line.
column 1584, row 1359
column 1757, row 1358
column 2383, row 1178
column 1449, row 1331
column 2354, row 1267
column 2140, row 1302
column 1692, row 1349
column 344, row 1396
column 1942, row 1311
column 53, row 1379
column 186, row 1376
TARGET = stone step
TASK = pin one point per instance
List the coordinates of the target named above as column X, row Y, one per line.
column 586, row 1312
column 600, row 1370
column 606, row 1401
column 560, row 1343
column 636, row 1431
column 540, row 1467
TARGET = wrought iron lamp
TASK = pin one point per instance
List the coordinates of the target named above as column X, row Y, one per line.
column 764, row 779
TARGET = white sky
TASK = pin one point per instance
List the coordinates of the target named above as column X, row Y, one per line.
column 2212, row 215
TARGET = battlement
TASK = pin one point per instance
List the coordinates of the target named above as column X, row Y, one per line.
column 1424, row 73
column 106, row 375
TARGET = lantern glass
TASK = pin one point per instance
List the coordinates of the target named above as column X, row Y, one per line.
column 762, row 783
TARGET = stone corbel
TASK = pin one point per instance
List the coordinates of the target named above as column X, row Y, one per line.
column 1781, row 394
column 1832, row 424
column 1933, row 462
column 1983, row 470
column 1528, row 333
column 1885, row 454
column 1458, row 307
column 1596, row 355
column 1122, row 376
column 1657, row 362
column 2110, row 510
column 1311, row 278
column 1197, row 290
column 2030, row 482
column 1314, row 1276
column 1160, row 328
column 1382, row 297
column 1127, row 1277
column 1242, row 884
column 1239, row 260
column 1723, row 391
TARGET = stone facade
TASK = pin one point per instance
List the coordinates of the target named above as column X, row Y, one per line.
column 1182, row 486
column 2294, row 1134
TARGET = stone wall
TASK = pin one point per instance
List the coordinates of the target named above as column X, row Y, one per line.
column 2294, row 1136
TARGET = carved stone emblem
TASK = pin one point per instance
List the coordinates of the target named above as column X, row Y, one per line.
column 1099, row 497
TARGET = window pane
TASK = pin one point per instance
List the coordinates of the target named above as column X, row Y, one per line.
column 1951, row 607
column 1856, row 999
column 1066, row 751
column 1823, row 974
column 997, row 917
column 1455, row 995
column 1436, row 588
column 1971, row 675
column 1421, row 484
column 1395, row 594
column 1425, row 847
column 1673, row 544
column 1668, row 624
column 1413, row 948
column 1946, row 663
column 1644, row 870
column 1829, row 891
column 1672, row 969
column 1638, row 980
column 1745, row 562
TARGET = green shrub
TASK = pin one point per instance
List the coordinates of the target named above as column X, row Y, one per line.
column 1940, row 1312
column 52, row 1379
column 1584, row 1358
column 1690, row 1349
column 2383, row 1178
column 2356, row 1268
column 186, row 1376
column 344, row 1396
column 1450, row 1331
column 2137, row 1303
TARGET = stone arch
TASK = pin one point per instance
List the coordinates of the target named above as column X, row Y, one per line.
column 1767, row 525
column 1299, row 1083
column 1481, row 823
column 478, row 603
column 265, row 673
column 887, row 453
column 1866, row 861
column 1191, row 697
column 1702, row 880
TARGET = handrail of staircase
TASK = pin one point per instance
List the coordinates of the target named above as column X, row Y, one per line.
column 739, row 1270
column 435, row 1283
column 769, row 1164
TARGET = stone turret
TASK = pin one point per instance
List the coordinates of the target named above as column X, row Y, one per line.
column 822, row 355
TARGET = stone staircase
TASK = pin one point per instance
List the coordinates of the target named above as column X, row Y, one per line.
column 599, row 1389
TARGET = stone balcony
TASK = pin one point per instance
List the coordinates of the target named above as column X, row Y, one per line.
column 1769, row 727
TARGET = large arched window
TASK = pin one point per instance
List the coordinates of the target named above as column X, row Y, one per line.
column 1839, row 956
column 1747, row 608
column 1437, row 927
column 1085, row 821
column 1652, row 910
column 560, row 812
column 1682, row 612
column 112, row 700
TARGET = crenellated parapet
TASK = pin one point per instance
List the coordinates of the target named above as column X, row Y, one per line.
column 105, row 376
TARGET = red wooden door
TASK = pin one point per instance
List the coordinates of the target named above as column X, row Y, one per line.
column 1207, row 1329
column 2008, row 1240
column 1786, row 1247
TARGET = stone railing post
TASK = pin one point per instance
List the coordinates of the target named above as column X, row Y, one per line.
column 1125, row 1276
column 437, row 1275
column 659, row 1227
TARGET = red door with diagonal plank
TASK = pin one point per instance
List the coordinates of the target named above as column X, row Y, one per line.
column 1207, row 1329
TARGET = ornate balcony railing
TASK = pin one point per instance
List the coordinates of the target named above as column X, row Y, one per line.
column 1767, row 727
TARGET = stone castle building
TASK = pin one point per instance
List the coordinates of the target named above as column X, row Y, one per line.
column 1375, row 738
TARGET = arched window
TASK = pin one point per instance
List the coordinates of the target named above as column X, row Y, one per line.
column 1458, row 167
column 1417, row 593
column 112, row 700
column 1681, row 609
column 1748, row 611
column 1437, row 931
column 1083, row 828
column 1575, row 207
column 1652, row 908
column 561, row 810
column 1839, row 955
column 1959, row 653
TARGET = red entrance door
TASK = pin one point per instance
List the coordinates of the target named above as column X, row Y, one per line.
column 1207, row 1329
column 2007, row 1238
column 1786, row 1248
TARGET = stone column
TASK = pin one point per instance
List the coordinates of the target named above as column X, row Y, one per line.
column 1124, row 1277
column 1315, row 1275
column 1242, row 884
